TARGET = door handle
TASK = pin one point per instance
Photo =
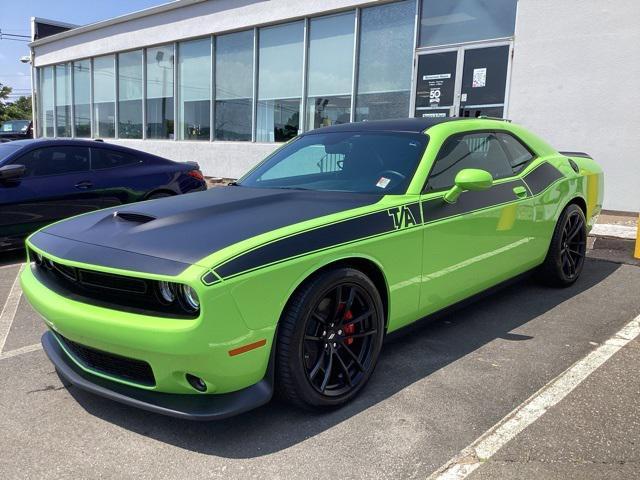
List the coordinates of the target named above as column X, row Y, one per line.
column 84, row 185
column 520, row 192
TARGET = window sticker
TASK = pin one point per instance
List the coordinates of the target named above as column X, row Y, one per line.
column 479, row 77
column 383, row 182
column 438, row 76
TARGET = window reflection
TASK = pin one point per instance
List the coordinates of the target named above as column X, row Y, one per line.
column 279, row 82
column 457, row 21
column 63, row 100
column 160, row 62
column 194, row 89
column 81, row 98
column 385, row 60
column 130, row 94
column 46, row 115
column 330, row 70
column 234, row 86
column 104, row 97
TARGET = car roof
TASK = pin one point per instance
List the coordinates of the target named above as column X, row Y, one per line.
column 49, row 142
column 52, row 142
column 415, row 125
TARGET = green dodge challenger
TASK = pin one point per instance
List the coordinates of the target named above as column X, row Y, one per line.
column 201, row 306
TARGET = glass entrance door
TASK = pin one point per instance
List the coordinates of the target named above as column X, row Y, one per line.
column 466, row 81
column 436, row 84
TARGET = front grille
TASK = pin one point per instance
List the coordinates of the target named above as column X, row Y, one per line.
column 117, row 292
column 135, row 371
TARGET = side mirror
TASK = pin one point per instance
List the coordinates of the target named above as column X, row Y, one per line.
column 11, row 172
column 468, row 179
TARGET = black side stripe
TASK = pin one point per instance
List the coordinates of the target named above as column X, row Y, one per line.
column 436, row 209
column 543, row 176
column 345, row 231
column 210, row 278
column 385, row 221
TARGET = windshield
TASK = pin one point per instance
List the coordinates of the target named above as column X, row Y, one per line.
column 359, row 162
column 14, row 126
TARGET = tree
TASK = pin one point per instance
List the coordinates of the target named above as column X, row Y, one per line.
column 18, row 110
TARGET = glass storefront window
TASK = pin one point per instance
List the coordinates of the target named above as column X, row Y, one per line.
column 46, row 116
column 194, row 89
column 234, row 86
column 82, row 98
column 160, row 61
column 104, row 97
column 458, row 21
column 130, row 94
column 63, row 100
column 279, row 82
column 330, row 72
column 385, row 61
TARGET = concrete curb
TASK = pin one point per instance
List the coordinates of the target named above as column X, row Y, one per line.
column 615, row 231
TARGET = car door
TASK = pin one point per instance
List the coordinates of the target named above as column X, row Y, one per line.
column 57, row 184
column 117, row 175
column 484, row 237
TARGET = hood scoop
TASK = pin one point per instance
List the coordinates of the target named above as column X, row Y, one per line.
column 134, row 217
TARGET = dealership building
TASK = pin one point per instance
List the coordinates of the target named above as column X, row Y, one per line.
column 224, row 82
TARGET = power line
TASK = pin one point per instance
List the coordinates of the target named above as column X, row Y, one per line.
column 4, row 37
column 14, row 36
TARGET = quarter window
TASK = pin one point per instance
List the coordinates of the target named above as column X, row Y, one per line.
column 102, row 158
column 519, row 155
column 49, row 161
column 474, row 150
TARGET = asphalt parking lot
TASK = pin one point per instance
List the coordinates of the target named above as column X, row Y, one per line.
column 435, row 391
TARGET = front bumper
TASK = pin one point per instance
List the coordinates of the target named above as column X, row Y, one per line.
column 203, row 407
column 171, row 347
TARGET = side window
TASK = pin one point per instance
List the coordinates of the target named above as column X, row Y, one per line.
column 519, row 155
column 104, row 158
column 472, row 150
column 54, row 161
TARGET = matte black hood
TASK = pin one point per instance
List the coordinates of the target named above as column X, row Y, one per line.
column 182, row 230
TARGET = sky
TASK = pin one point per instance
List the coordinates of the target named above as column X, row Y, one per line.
column 17, row 19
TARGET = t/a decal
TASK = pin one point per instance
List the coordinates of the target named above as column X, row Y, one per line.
column 402, row 217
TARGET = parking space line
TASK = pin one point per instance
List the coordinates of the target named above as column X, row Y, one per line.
column 483, row 448
column 10, row 308
column 20, row 351
column 13, row 265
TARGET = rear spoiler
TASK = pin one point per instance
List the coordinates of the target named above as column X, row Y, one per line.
column 195, row 165
column 576, row 154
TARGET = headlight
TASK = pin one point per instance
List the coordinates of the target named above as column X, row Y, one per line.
column 189, row 298
column 167, row 292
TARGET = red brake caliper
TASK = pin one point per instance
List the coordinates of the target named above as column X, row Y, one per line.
column 349, row 329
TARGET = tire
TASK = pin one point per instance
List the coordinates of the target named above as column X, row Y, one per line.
column 156, row 195
column 327, row 349
column 565, row 259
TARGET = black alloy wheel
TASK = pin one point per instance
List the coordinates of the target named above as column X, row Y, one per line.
column 566, row 255
column 329, row 339
column 339, row 339
column 573, row 245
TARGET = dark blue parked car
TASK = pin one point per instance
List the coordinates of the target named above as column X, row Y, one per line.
column 42, row 181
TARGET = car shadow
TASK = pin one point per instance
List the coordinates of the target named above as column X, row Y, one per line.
column 406, row 358
column 12, row 257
